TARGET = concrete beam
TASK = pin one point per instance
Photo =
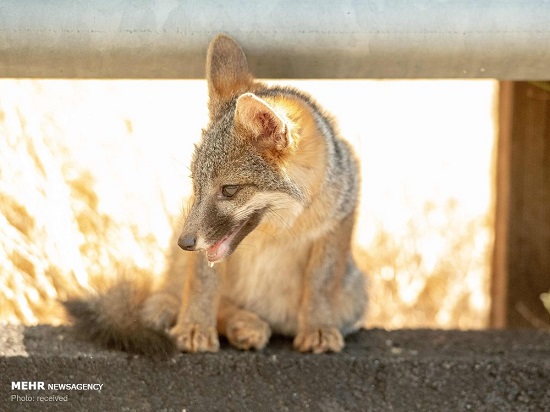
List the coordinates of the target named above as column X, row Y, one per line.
column 507, row 40
column 378, row 370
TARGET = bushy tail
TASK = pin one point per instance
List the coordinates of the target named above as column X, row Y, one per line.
column 111, row 319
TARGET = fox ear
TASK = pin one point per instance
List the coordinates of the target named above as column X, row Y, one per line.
column 259, row 123
column 227, row 72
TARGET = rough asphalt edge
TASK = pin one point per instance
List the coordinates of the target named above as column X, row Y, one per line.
column 404, row 370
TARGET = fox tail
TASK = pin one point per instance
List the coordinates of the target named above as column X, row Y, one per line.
column 111, row 319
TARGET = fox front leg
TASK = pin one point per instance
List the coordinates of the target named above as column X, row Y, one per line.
column 195, row 330
column 317, row 328
column 161, row 308
column 333, row 295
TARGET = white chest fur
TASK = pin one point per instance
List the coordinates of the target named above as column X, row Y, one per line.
column 264, row 275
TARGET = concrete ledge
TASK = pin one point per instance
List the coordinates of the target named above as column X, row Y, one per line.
column 402, row 370
column 324, row 39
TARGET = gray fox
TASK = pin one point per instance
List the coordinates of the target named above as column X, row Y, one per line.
column 275, row 192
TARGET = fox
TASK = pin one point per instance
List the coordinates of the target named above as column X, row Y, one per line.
column 266, row 242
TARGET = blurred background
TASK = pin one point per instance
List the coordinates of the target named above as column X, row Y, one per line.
column 94, row 176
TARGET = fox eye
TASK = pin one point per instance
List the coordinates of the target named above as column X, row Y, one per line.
column 230, row 190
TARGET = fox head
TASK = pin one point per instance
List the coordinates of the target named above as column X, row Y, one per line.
column 239, row 168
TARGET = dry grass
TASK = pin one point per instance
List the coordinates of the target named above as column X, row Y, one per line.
column 92, row 177
column 409, row 290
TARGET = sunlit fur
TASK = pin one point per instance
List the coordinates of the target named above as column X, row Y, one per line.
column 285, row 265
column 293, row 273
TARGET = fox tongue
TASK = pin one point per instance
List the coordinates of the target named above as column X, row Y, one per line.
column 219, row 250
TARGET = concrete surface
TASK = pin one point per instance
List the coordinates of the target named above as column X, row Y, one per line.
column 405, row 370
column 283, row 38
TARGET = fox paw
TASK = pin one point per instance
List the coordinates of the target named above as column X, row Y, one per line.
column 193, row 337
column 160, row 311
column 319, row 340
column 247, row 331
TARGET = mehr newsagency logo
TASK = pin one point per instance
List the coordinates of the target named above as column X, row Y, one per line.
column 22, row 386
column 42, row 386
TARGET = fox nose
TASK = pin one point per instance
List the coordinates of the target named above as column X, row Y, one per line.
column 187, row 242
